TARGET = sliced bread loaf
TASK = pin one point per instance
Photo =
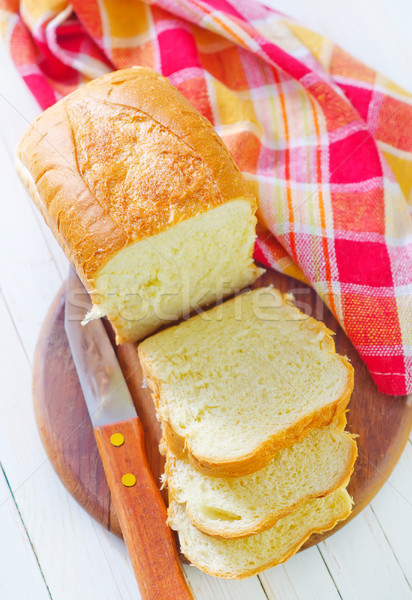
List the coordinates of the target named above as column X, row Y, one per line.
column 239, row 506
column 144, row 199
column 239, row 382
column 244, row 557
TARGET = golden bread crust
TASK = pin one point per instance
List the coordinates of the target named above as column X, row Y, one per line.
column 123, row 158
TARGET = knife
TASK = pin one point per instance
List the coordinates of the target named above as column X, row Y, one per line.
column 120, row 439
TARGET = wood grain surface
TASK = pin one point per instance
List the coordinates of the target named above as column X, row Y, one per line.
column 382, row 422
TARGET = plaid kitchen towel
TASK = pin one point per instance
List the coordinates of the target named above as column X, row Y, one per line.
column 325, row 142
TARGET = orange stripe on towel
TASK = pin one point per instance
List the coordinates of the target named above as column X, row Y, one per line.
column 322, row 209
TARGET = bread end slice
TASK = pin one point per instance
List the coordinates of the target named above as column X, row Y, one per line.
column 236, row 507
column 244, row 557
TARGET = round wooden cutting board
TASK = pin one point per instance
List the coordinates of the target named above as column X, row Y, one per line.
column 382, row 422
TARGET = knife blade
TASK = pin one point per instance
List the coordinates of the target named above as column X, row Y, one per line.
column 120, row 439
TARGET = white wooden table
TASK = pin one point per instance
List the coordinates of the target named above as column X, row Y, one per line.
column 50, row 547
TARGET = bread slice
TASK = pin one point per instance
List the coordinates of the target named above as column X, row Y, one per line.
column 244, row 557
column 144, row 198
column 240, row 506
column 236, row 384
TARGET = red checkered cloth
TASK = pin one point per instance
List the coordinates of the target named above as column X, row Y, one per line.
column 324, row 141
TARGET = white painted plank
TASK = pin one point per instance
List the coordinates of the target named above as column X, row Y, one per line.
column 116, row 554
column 295, row 579
column 4, row 488
column 362, row 563
column 20, row 575
column 393, row 509
column 206, row 587
column 20, row 447
column 29, row 277
column 278, row 585
column 14, row 94
column 79, row 559
column 17, row 109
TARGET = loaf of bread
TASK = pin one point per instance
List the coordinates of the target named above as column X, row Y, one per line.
column 247, row 556
column 238, row 506
column 143, row 197
column 236, row 384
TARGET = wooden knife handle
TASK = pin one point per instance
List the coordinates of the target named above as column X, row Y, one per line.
column 141, row 512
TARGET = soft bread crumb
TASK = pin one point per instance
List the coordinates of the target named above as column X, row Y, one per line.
column 243, row 380
column 197, row 262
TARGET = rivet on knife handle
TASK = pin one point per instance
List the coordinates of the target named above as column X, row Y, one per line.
column 117, row 439
column 141, row 513
column 129, row 480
